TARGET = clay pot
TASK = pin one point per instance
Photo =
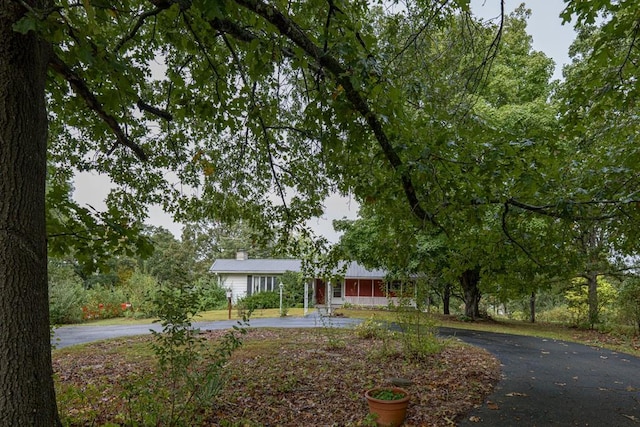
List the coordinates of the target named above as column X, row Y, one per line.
column 389, row 412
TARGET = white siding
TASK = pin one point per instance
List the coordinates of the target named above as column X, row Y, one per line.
column 237, row 283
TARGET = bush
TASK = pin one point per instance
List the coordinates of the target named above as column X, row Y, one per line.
column 104, row 303
column 629, row 302
column 212, row 295
column 140, row 290
column 260, row 301
column 66, row 299
column 371, row 329
column 193, row 372
column 559, row 314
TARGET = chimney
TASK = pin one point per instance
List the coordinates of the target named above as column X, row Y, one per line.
column 242, row 255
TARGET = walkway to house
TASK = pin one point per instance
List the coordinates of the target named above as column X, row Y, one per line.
column 545, row 382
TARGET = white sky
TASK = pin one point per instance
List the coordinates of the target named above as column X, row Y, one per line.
column 549, row 36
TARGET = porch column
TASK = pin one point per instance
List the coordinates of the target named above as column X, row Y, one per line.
column 306, row 297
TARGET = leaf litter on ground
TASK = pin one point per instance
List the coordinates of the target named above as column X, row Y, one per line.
column 287, row 377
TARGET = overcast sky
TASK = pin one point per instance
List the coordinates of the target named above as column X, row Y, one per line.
column 549, row 36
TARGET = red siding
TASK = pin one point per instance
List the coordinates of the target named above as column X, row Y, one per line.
column 366, row 289
column 351, row 288
column 379, row 288
column 320, row 287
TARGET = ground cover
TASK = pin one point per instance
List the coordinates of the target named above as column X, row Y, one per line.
column 204, row 316
column 282, row 378
column 615, row 338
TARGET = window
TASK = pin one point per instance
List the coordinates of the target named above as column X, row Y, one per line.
column 398, row 288
column 265, row 283
column 337, row 290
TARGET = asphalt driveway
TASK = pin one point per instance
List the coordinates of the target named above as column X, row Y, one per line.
column 545, row 382
column 556, row 383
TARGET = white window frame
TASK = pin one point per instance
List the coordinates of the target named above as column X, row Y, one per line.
column 264, row 283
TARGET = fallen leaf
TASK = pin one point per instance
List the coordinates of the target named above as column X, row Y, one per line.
column 493, row 406
column 475, row 419
column 516, row 394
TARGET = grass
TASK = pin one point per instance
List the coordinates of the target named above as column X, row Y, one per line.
column 619, row 339
column 205, row 316
column 279, row 376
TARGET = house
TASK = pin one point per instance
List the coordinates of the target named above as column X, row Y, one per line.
column 358, row 286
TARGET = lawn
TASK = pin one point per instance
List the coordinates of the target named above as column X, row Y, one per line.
column 295, row 377
column 278, row 377
column 620, row 339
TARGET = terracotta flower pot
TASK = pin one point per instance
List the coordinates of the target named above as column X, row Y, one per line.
column 389, row 412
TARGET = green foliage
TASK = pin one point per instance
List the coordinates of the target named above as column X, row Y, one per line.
column 387, row 394
column 629, row 302
column 293, row 289
column 66, row 299
column 418, row 336
column 139, row 290
column 259, row 301
column 212, row 295
column 371, row 329
column 104, row 303
column 192, row 372
column 578, row 302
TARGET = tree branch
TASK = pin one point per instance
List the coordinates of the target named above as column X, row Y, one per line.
column 163, row 114
column 131, row 34
column 81, row 89
column 511, row 239
column 291, row 30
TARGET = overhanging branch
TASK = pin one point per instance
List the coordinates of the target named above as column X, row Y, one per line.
column 81, row 89
column 291, row 30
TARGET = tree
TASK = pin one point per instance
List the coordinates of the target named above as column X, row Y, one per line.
column 250, row 100
column 492, row 144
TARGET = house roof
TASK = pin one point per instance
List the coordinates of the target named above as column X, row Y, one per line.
column 250, row 266
column 279, row 266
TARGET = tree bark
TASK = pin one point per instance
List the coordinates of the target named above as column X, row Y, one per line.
column 592, row 297
column 469, row 280
column 532, row 308
column 27, row 396
column 446, row 299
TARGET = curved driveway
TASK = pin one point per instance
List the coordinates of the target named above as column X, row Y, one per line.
column 555, row 383
column 545, row 382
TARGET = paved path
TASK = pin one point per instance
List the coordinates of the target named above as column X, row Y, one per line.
column 545, row 382
column 556, row 383
column 73, row 335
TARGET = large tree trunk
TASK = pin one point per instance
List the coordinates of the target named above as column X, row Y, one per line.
column 27, row 396
column 592, row 283
column 446, row 299
column 469, row 281
column 532, row 308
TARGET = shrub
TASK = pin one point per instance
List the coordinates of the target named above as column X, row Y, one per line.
column 140, row 290
column 418, row 336
column 193, row 372
column 104, row 303
column 371, row 329
column 260, row 301
column 629, row 302
column 66, row 299
column 212, row 295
